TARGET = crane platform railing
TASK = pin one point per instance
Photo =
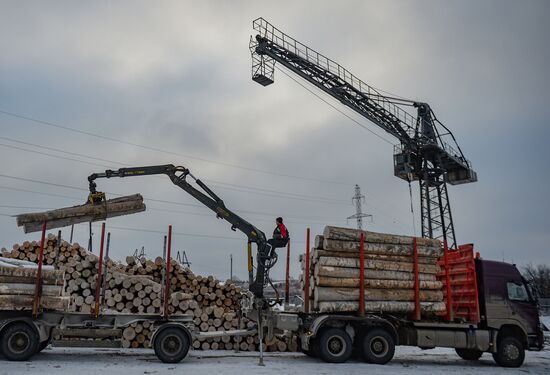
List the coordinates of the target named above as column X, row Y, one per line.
column 407, row 121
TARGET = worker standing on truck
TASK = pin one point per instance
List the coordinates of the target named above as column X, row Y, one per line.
column 280, row 234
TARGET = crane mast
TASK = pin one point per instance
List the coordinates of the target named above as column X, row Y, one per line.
column 427, row 151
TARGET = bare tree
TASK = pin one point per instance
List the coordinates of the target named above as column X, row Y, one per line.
column 539, row 277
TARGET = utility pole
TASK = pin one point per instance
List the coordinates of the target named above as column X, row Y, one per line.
column 358, row 199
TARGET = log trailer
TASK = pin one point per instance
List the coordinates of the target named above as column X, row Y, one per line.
column 24, row 333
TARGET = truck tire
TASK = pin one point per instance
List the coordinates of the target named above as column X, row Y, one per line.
column 43, row 345
column 334, row 345
column 469, row 354
column 171, row 345
column 19, row 342
column 378, row 346
column 313, row 349
column 510, row 352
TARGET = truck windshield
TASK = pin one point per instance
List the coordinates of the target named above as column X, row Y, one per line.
column 517, row 292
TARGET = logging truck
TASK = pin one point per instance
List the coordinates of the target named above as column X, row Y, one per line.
column 491, row 310
column 508, row 325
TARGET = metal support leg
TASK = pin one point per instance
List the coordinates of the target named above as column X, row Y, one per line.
column 239, row 324
column 261, row 337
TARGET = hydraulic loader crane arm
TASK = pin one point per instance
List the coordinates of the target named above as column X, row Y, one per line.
column 266, row 258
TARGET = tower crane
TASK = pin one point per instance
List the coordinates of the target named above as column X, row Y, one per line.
column 427, row 151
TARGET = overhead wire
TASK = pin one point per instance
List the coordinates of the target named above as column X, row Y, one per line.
column 222, row 185
column 333, row 106
column 147, row 198
column 151, row 148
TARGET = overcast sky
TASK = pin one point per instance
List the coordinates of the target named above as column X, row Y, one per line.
column 114, row 84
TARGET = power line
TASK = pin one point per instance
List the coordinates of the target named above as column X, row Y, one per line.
column 78, row 199
column 215, row 182
column 47, row 123
column 333, row 106
column 164, row 151
column 151, row 148
column 163, row 210
column 234, row 187
column 158, row 231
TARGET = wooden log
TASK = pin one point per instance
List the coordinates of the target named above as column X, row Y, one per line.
column 372, row 283
column 30, row 272
column 129, row 333
column 281, row 346
column 319, row 241
column 381, row 248
column 317, row 253
column 377, row 265
column 348, row 234
column 32, row 222
column 381, row 306
column 19, row 302
column 29, row 289
column 352, row 294
column 344, row 272
column 30, row 280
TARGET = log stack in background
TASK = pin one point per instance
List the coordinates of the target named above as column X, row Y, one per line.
column 136, row 287
column 389, row 272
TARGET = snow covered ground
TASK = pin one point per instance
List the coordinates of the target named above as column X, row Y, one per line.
column 133, row 362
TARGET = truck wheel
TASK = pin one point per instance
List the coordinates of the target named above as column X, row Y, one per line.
column 334, row 346
column 171, row 345
column 469, row 354
column 510, row 352
column 312, row 351
column 378, row 346
column 43, row 345
column 19, row 342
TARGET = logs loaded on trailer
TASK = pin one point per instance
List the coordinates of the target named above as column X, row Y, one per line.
column 389, row 273
column 135, row 286
column 18, row 285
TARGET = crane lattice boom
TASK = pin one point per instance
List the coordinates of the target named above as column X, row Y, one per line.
column 427, row 150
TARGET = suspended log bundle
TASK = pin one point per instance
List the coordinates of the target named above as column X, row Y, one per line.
column 389, row 273
column 33, row 222
column 137, row 286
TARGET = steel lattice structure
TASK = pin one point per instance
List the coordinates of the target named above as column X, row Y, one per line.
column 424, row 152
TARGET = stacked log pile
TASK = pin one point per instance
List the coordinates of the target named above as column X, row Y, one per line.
column 388, row 272
column 137, row 287
column 18, row 284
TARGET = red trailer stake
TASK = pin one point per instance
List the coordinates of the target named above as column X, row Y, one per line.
column 38, row 286
column 362, row 275
column 287, row 276
column 448, row 281
column 168, row 280
column 98, row 282
column 416, row 282
column 306, row 281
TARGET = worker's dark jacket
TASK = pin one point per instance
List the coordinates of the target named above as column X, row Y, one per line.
column 280, row 236
column 280, row 231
